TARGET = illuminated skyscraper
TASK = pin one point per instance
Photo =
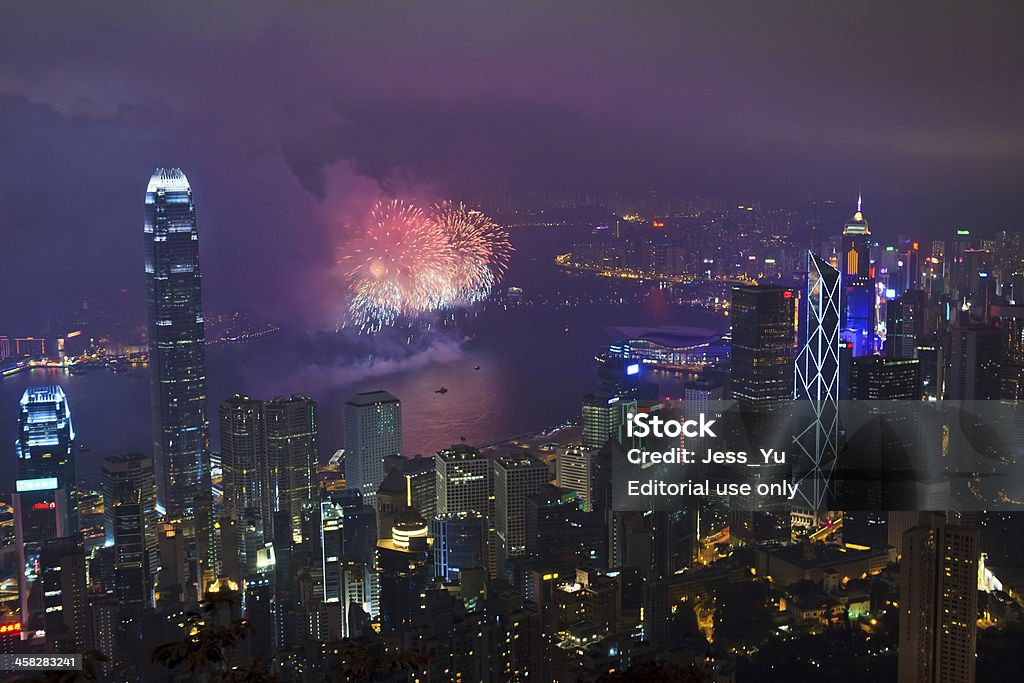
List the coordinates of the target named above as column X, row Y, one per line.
column 243, row 454
column 817, row 381
column 574, row 469
column 177, row 361
column 858, row 322
column 516, row 477
column 130, row 521
column 461, row 478
column 292, row 456
column 62, row 590
column 373, row 431
column 763, row 347
column 45, row 499
column 938, row 602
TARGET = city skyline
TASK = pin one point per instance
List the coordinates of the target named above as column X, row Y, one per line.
column 563, row 342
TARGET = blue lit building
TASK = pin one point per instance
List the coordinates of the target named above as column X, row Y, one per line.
column 459, row 543
column 177, row 361
column 46, row 497
column 858, row 322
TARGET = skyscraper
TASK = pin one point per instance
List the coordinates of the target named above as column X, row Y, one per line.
column 1011, row 368
column 45, row 499
column 818, row 382
column 574, row 469
column 130, row 520
column 938, row 602
column 462, row 480
column 977, row 349
column 874, row 378
column 859, row 283
column 177, row 361
column 763, row 347
column 516, row 477
column 460, row 542
column 373, row 431
column 292, row 456
column 904, row 324
column 62, row 590
column 243, row 455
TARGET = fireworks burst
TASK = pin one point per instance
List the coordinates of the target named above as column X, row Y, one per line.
column 407, row 263
column 480, row 246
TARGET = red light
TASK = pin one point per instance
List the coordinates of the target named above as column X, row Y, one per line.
column 44, row 506
column 787, row 294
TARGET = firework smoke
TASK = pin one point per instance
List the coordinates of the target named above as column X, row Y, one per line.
column 408, row 263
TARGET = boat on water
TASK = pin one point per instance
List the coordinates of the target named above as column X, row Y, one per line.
column 442, row 390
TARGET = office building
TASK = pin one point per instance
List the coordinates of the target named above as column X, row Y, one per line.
column 516, row 477
column 975, row 354
column 133, row 471
column 575, row 470
column 460, row 543
column 292, row 457
column 373, row 431
column 243, row 455
column 131, row 524
column 874, row 378
column 904, row 319
column 177, row 359
column 763, row 347
column 818, row 381
column 858, row 323
column 1010, row 319
column 462, row 481
column 62, row 590
column 46, row 497
column 938, row 602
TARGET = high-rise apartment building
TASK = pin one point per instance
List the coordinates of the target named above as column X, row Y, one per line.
column 373, row 431
column 938, row 602
column 177, row 359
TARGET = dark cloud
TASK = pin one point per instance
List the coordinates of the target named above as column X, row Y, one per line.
column 290, row 117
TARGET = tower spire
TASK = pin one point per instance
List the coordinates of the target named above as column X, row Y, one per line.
column 858, row 200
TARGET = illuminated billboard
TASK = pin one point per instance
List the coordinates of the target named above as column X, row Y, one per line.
column 41, row 484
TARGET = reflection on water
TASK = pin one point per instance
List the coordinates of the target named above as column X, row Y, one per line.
column 532, row 374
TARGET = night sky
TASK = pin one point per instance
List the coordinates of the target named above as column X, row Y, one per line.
column 290, row 118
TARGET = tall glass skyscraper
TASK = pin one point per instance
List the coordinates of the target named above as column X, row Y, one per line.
column 177, row 362
column 45, row 499
column 817, row 381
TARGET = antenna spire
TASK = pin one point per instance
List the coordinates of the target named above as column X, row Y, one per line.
column 858, row 200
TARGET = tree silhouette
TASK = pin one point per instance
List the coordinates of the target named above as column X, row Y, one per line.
column 207, row 648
